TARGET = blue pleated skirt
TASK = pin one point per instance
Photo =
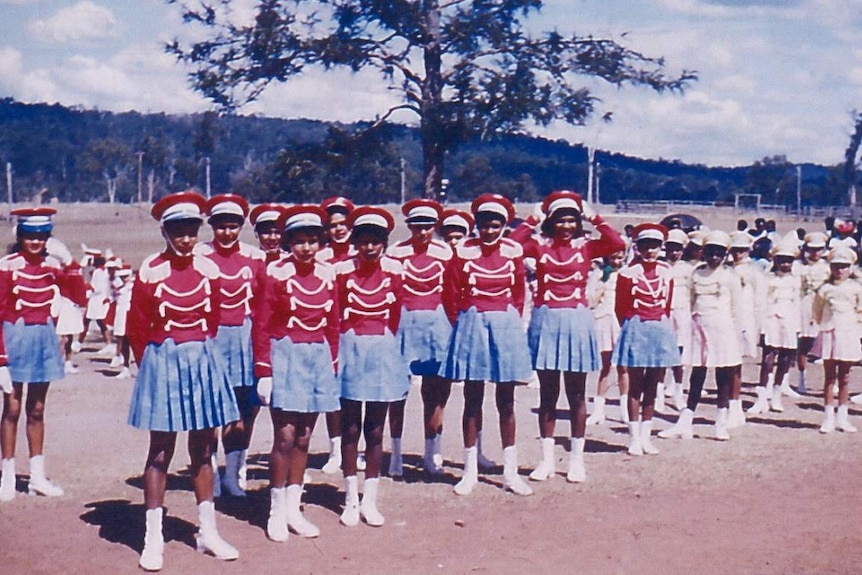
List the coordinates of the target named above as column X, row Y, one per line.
column 488, row 346
column 33, row 352
column 234, row 343
column 647, row 344
column 303, row 378
column 563, row 339
column 182, row 388
column 371, row 368
column 424, row 339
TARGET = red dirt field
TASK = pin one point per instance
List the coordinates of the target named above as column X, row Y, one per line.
column 779, row 498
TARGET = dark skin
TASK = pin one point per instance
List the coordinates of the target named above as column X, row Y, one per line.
column 370, row 247
column 32, row 246
column 779, row 358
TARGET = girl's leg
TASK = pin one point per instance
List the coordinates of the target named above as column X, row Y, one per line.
column 505, row 399
column 209, row 541
column 471, row 426
column 636, row 383
column 159, row 455
column 842, row 420
column 549, row 392
column 12, row 404
column 761, row 404
column 576, row 394
column 782, row 366
column 695, row 391
column 651, row 379
column 295, row 432
column 351, row 428
column 35, row 409
column 396, row 430
column 435, row 395
column 375, row 420
column 830, row 370
column 724, row 381
column 598, row 414
column 333, row 428
column 623, row 384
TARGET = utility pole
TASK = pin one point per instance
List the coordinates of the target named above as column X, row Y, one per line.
column 140, row 156
column 591, row 158
column 403, row 180
column 9, row 182
column 209, row 191
column 798, row 191
column 598, row 182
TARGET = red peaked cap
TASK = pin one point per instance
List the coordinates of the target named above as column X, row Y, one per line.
column 650, row 231
column 233, row 204
column 302, row 216
column 337, row 203
column 562, row 199
column 452, row 217
column 494, row 203
column 422, row 210
column 178, row 206
column 265, row 213
column 371, row 215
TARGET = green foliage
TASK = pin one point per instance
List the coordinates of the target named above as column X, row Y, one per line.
column 466, row 68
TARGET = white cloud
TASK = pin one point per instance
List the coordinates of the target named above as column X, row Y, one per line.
column 83, row 21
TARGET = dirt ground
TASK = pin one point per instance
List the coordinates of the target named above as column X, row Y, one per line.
column 779, row 498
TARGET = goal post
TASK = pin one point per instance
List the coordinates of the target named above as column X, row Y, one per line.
column 746, row 202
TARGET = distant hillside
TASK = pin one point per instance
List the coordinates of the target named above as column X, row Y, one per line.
column 88, row 155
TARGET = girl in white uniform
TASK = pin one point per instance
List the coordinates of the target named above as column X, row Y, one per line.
column 815, row 271
column 780, row 326
column 836, row 310
column 714, row 308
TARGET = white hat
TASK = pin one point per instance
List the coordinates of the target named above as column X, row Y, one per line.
column 842, row 255
column 677, row 236
column 741, row 240
column 717, row 238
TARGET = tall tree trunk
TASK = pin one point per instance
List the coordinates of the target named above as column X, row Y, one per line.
column 850, row 172
column 431, row 126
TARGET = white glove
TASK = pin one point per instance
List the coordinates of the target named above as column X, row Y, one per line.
column 588, row 212
column 264, row 390
column 5, row 380
column 538, row 214
column 58, row 249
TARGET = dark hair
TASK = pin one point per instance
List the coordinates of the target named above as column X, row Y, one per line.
column 375, row 232
column 262, row 227
column 225, row 218
column 287, row 235
column 741, row 225
column 485, row 217
column 548, row 225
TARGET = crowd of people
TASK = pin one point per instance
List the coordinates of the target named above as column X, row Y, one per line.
column 327, row 316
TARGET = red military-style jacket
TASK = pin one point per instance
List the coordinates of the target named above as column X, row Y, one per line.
column 241, row 267
column 645, row 290
column 423, row 265
column 369, row 295
column 31, row 286
column 174, row 297
column 299, row 301
column 488, row 276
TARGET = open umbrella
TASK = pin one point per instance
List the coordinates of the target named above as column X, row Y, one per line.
column 686, row 222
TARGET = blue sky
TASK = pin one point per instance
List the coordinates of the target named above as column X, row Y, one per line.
column 776, row 77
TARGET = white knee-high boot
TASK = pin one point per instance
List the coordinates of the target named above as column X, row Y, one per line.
column 152, row 557
column 350, row 515
column 296, row 521
column 39, row 483
column 208, row 539
column 368, row 506
column 646, row 438
column 7, row 481
column 511, row 480
column 577, row 472
column 276, row 526
column 624, row 408
column 546, row 468
column 598, row 414
column 333, row 464
column 471, row 472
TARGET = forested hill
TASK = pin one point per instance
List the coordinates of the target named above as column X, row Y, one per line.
column 84, row 155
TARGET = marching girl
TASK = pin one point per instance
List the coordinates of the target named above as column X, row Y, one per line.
column 751, row 280
column 780, row 326
column 483, row 295
column 602, row 288
column 70, row 318
column 265, row 220
column 123, row 283
column 836, row 309
column 680, row 313
column 240, row 268
column 371, row 369
column 99, row 302
column 31, row 280
column 424, row 331
column 647, row 343
column 714, row 310
column 815, row 271
column 338, row 249
column 561, row 334
column 181, row 383
column 455, row 225
column 295, row 347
